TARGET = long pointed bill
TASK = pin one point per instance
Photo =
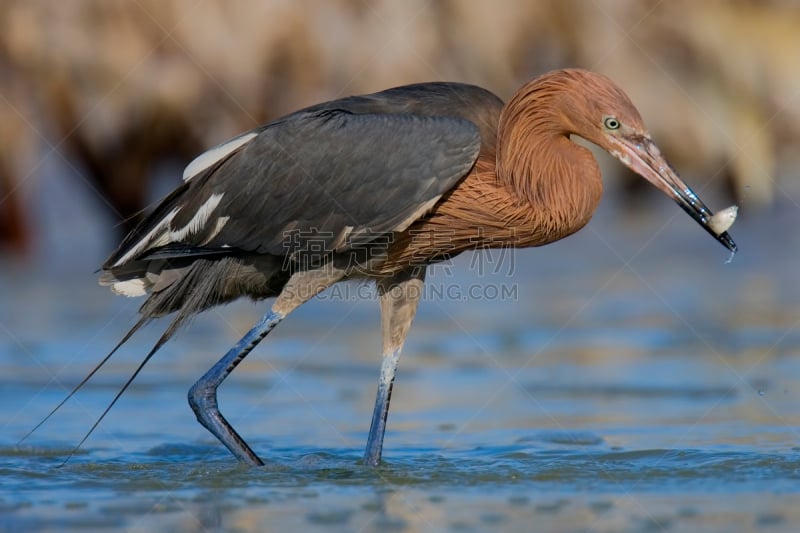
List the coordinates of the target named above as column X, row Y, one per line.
column 642, row 156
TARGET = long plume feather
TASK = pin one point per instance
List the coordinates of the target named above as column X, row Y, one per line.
column 163, row 339
column 142, row 321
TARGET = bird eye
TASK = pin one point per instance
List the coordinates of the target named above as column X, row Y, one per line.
column 611, row 123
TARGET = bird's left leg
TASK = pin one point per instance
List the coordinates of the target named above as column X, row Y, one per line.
column 301, row 287
column 399, row 296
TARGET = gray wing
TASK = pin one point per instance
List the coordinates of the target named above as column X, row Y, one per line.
column 327, row 176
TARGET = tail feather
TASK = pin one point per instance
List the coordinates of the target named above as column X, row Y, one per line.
column 142, row 321
column 203, row 284
column 184, row 289
column 161, row 341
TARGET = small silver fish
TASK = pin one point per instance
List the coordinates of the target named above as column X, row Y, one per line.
column 723, row 219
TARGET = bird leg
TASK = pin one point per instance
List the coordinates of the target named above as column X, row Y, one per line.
column 399, row 296
column 203, row 394
column 300, row 288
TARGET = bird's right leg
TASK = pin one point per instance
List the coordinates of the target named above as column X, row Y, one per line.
column 399, row 297
column 300, row 288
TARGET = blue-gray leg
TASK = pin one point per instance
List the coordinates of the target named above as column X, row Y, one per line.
column 399, row 297
column 203, row 394
column 301, row 287
column 377, row 428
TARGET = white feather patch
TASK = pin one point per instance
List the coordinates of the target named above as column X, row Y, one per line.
column 129, row 288
column 147, row 240
column 342, row 238
column 209, row 157
column 218, row 225
column 198, row 220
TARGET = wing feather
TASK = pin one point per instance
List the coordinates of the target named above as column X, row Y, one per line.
column 323, row 174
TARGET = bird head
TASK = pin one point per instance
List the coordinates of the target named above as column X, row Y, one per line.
column 595, row 108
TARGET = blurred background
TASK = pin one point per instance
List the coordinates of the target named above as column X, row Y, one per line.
column 623, row 379
column 103, row 103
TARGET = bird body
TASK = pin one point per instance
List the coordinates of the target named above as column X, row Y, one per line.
column 324, row 180
column 285, row 186
column 378, row 186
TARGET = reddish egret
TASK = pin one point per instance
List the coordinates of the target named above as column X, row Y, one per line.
column 377, row 187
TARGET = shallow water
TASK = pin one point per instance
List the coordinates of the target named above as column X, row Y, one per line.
column 626, row 380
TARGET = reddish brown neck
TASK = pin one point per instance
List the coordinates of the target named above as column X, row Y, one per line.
column 559, row 179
